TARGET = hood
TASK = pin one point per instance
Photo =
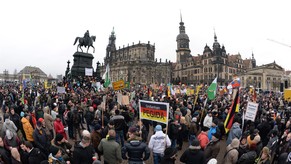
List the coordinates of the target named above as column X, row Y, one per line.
column 7, row 121
column 51, row 156
column 194, row 151
column 135, row 143
column 24, row 120
column 236, row 126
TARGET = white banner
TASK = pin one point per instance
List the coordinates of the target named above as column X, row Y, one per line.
column 251, row 111
column 88, row 71
column 61, row 89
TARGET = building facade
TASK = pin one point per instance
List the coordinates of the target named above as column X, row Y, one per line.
column 204, row 68
column 136, row 63
column 267, row 77
column 33, row 73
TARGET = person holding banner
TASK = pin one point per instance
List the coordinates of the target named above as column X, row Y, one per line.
column 158, row 142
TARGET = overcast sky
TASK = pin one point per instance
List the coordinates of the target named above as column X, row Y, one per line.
column 38, row 33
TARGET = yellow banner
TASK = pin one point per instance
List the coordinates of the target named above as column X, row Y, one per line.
column 118, row 85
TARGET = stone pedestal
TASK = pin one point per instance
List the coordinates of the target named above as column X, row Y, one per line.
column 81, row 61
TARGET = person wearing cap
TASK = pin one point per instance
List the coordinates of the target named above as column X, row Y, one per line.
column 64, row 145
column 213, row 147
column 135, row 150
column 193, row 154
column 11, row 140
column 96, row 138
column 213, row 129
column 110, row 148
column 203, row 138
column 28, row 130
column 158, row 142
column 40, row 138
column 170, row 155
column 83, row 151
column 208, row 119
column 55, row 156
column 231, row 154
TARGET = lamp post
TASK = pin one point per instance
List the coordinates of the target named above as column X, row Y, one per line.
column 68, row 69
column 98, row 78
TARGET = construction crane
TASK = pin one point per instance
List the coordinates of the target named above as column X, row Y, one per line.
column 283, row 44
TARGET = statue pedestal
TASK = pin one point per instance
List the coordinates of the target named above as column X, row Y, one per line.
column 81, row 61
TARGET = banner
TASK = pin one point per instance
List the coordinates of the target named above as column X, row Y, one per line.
column 61, row 89
column 119, row 98
column 117, row 85
column 125, row 100
column 155, row 111
column 88, row 71
column 251, row 111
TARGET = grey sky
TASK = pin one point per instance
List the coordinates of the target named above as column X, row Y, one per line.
column 41, row 33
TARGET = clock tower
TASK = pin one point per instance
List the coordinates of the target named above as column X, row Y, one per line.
column 183, row 51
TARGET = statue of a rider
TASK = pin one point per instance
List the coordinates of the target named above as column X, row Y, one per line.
column 87, row 37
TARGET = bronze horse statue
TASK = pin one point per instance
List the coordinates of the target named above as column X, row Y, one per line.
column 85, row 42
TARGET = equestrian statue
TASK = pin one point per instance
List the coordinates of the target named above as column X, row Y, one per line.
column 86, row 41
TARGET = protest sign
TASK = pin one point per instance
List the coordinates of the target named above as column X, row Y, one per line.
column 119, row 98
column 155, row 111
column 61, row 89
column 117, row 85
column 251, row 111
column 88, row 71
column 125, row 100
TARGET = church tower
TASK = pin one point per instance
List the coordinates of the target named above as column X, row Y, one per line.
column 110, row 47
column 253, row 61
column 183, row 51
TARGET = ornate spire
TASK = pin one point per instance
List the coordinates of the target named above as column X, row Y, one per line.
column 181, row 16
column 182, row 27
column 253, row 55
column 215, row 37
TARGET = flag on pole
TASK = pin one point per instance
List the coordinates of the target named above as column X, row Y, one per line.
column 211, row 91
column 231, row 112
column 106, row 77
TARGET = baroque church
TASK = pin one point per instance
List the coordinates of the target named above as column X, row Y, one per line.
column 136, row 63
column 204, row 68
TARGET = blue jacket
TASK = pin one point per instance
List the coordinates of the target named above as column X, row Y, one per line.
column 211, row 131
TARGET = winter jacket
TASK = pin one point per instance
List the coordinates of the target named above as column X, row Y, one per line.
column 212, row 150
column 5, row 155
column 203, row 139
column 35, row 156
column 248, row 158
column 8, row 124
column 89, row 117
column 231, row 155
column 174, row 131
column 41, row 140
column 82, row 155
column 64, row 146
column 207, row 121
column 15, row 118
column 27, row 129
column 136, row 150
column 13, row 142
column 96, row 138
column 211, row 131
column 235, row 132
column 157, row 142
column 59, row 127
column 111, row 150
column 119, row 122
column 48, row 119
column 193, row 156
column 273, row 143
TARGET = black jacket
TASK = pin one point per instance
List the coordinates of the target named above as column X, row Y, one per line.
column 89, row 117
column 135, row 150
column 35, row 156
column 119, row 122
column 82, row 155
column 191, row 156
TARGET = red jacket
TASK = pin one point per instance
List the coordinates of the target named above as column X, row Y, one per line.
column 203, row 139
column 59, row 127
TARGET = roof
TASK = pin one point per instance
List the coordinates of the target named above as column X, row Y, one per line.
column 31, row 70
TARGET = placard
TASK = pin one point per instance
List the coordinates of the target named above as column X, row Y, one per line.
column 251, row 111
column 61, row 89
column 88, row 71
column 155, row 111
column 125, row 100
column 117, row 85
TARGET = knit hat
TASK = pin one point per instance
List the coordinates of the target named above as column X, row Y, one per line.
column 54, row 150
column 195, row 144
column 59, row 137
column 21, row 114
column 169, row 152
column 194, row 119
column 158, row 128
column 40, row 119
column 97, row 127
column 235, row 143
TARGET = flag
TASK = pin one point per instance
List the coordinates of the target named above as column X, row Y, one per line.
column 127, row 85
column 211, row 91
column 231, row 112
column 235, row 82
column 106, row 77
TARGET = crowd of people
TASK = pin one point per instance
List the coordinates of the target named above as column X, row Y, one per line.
column 40, row 125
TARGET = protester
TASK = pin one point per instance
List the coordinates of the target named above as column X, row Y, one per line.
column 11, row 141
column 169, row 156
column 5, row 155
column 203, row 138
column 64, row 145
column 96, row 138
column 48, row 119
column 135, row 150
column 15, row 156
column 27, row 127
column 35, row 156
column 59, row 127
column 265, row 156
column 213, row 147
column 110, row 148
column 193, row 154
column 119, row 125
column 231, row 154
column 158, row 142
column 40, row 139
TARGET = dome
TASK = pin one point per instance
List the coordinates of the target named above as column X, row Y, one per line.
column 182, row 36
